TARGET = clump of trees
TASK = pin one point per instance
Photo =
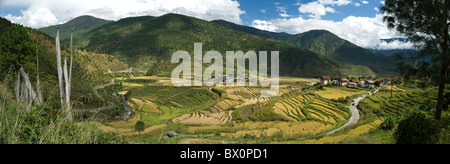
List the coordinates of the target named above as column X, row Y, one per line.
column 19, row 54
column 17, row 51
column 427, row 25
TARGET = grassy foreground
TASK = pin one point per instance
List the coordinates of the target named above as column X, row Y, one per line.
column 43, row 125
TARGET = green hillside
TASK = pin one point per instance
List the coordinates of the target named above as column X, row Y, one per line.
column 145, row 42
column 328, row 44
column 325, row 43
column 82, row 25
column 84, row 78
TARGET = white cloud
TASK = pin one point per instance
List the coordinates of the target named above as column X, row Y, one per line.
column 41, row 13
column 282, row 11
column 376, row 9
column 316, row 9
column 335, row 2
column 34, row 17
column 264, row 25
column 396, row 44
column 357, row 4
column 263, row 11
column 365, row 2
column 365, row 32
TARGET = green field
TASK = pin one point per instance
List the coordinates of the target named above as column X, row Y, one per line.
column 171, row 101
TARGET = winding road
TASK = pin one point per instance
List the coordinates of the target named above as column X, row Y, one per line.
column 110, row 104
column 355, row 112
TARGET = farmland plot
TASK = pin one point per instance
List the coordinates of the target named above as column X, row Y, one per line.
column 308, row 107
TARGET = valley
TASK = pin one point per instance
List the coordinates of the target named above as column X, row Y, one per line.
column 231, row 114
column 330, row 90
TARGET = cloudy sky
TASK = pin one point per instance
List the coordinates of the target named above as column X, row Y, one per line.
column 358, row 21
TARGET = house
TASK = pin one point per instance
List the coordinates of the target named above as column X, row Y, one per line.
column 386, row 80
column 368, row 84
column 325, row 80
column 172, row 134
column 343, row 82
column 335, row 82
column 356, row 81
column 352, row 84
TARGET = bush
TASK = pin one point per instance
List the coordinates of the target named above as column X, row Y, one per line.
column 388, row 124
column 422, row 128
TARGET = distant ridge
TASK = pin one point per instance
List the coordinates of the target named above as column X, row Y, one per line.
column 326, row 44
column 82, row 24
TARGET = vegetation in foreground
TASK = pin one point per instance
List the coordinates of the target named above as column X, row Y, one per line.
column 43, row 125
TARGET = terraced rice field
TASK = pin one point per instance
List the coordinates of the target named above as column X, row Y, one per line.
column 226, row 104
column 157, row 104
column 205, row 118
column 395, row 88
column 270, row 129
column 382, row 104
column 338, row 92
column 185, row 98
column 308, row 107
column 250, row 95
column 336, row 139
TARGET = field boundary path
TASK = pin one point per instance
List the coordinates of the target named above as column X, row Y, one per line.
column 355, row 113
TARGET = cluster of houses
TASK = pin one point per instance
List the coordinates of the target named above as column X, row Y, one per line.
column 354, row 82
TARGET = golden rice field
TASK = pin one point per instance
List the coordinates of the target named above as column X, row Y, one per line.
column 263, row 129
column 308, row 107
column 338, row 92
column 205, row 118
column 205, row 114
column 353, row 133
column 395, row 88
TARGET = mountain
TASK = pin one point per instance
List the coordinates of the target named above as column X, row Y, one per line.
column 82, row 25
column 147, row 43
column 326, row 44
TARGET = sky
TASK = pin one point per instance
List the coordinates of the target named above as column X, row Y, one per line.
column 358, row 21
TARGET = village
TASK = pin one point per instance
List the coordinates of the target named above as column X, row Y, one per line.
column 371, row 84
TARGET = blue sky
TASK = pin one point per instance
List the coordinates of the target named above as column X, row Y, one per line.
column 357, row 21
column 267, row 9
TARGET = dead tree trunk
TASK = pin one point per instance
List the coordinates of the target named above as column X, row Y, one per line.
column 32, row 97
column 64, row 79
column 17, row 88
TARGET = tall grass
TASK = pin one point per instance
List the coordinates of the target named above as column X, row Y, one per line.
column 43, row 125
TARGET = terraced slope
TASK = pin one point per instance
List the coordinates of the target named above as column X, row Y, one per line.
column 250, row 95
column 171, row 102
column 309, row 107
column 403, row 100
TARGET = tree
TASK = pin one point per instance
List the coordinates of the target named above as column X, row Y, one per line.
column 425, row 23
column 139, row 127
column 17, row 53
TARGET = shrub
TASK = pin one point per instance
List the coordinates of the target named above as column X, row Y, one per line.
column 422, row 128
column 388, row 124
